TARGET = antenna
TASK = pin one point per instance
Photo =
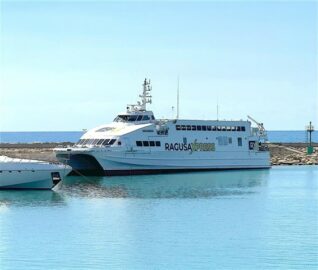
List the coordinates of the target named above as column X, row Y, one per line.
column 178, row 98
column 217, row 108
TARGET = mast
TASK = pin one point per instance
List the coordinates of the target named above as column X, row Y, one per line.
column 145, row 96
column 217, row 108
column 178, row 98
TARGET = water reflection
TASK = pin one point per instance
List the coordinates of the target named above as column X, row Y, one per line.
column 30, row 198
column 186, row 185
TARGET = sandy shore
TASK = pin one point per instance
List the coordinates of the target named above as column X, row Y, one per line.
column 281, row 153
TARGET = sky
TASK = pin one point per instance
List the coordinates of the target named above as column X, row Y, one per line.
column 68, row 65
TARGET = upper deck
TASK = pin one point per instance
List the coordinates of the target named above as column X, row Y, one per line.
column 138, row 122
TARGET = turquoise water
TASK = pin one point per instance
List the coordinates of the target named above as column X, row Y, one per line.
column 260, row 219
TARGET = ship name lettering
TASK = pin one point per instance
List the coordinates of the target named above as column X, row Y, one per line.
column 195, row 146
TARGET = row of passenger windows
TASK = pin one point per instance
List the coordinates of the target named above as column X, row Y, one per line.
column 98, row 142
column 210, row 128
column 148, row 143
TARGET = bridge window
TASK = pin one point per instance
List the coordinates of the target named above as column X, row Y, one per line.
column 125, row 118
column 139, row 143
column 178, row 127
column 243, row 128
column 100, row 142
column 139, row 118
column 95, row 141
column 145, row 118
column 199, row 127
column 209, row 128
column 152, row 143
column 188, row 127
column 112, row 141
column 203, row 127
column 183, row 127
column 106, row 142
column 194, row 127
column 214, row 128
column 158, row 144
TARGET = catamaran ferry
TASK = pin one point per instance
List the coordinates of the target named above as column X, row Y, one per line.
column 138, row 143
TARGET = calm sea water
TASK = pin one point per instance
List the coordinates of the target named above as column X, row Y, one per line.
column 73, row 136
column 259, row 219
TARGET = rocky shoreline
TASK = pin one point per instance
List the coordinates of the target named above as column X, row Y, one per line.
column 292, row 154
column 281, row 153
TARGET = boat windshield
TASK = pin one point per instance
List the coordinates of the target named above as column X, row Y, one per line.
column 133, row 118
column 125, row 118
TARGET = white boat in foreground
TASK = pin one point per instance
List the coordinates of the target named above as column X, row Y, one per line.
column 138, row 143
column 30, row 174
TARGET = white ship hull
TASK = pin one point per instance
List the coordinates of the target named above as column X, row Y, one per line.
column 30, row 174
column 94, row 161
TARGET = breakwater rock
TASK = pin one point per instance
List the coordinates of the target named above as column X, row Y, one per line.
column 292, row 154
column 281, row 153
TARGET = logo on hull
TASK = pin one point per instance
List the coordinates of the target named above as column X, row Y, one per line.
column 195, row 146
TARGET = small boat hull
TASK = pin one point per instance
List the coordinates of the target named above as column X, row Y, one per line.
column 30, row 174
column 28, row 180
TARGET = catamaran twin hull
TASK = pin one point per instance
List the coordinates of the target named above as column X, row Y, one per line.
column 99, row 162
column 137, row 143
